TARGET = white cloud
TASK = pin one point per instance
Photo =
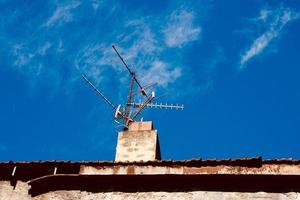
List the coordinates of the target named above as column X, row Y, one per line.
column 258, row 46
column 180, row 29
column 89, row 62
column 27, row 60
column 159, row 72
column 276, row 20
column 264, row 14
column 141, row 51
column 43, row 49
column 145, row 42
column 21, row 54
column 62, row 13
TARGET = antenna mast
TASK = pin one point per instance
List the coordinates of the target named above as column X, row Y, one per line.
column 124, row 114
column 127, row 106
column 143, row 91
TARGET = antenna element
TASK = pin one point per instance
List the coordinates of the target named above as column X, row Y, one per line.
column 131, row 110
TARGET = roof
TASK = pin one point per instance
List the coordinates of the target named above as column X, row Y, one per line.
column 254, row 161
column 274, row 175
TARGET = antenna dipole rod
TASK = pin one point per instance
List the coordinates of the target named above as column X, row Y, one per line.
column 155, row 105
column 143, row 105
column 99, row 92
column 123, row 61
column 131, row 72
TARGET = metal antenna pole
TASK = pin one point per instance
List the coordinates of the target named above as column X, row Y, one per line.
column 143, row 105
column 145, row 88
column 123, row 61
column 128, row 104
column 99, row 92
column 125, row 114
column 130, row 71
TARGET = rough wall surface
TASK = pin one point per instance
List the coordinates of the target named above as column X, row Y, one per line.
column 7, row 192
column 137, row 146
column 282, row 169
column 138, row 143
column 167, row 196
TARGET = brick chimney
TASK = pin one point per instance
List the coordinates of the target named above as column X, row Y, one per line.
column 138, row 143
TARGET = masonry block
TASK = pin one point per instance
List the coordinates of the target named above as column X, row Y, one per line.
column 138, row 143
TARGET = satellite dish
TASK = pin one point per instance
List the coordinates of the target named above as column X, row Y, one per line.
column 118, row 113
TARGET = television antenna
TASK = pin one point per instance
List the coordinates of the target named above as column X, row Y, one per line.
column 131, row 110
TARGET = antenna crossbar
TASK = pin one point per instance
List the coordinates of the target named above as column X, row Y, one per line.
column 131, row 110
column 157, row 105
column 132, row 74
column 99, row 92
column 123, row 61
column 143, row 105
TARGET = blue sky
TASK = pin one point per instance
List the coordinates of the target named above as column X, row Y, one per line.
column 233, row 64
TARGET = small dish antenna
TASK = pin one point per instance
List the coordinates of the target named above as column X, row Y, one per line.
column 131, row 110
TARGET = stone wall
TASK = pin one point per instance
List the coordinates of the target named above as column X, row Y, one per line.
column 138, row 143
column 7, row 192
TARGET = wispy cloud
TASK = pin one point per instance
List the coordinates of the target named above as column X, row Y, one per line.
column 263, row 15
column 181, row 29
column 43, row 49
column 141, row 50
column 141, row 44
column 162, row 73
column 26, row 58
column 21, row 54
column 275, row 21
column 58, row 51
column 62, row 13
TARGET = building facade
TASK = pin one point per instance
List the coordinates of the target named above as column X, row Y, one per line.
column 138, row 173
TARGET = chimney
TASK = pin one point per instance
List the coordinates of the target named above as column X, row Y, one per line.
column 138, row 143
